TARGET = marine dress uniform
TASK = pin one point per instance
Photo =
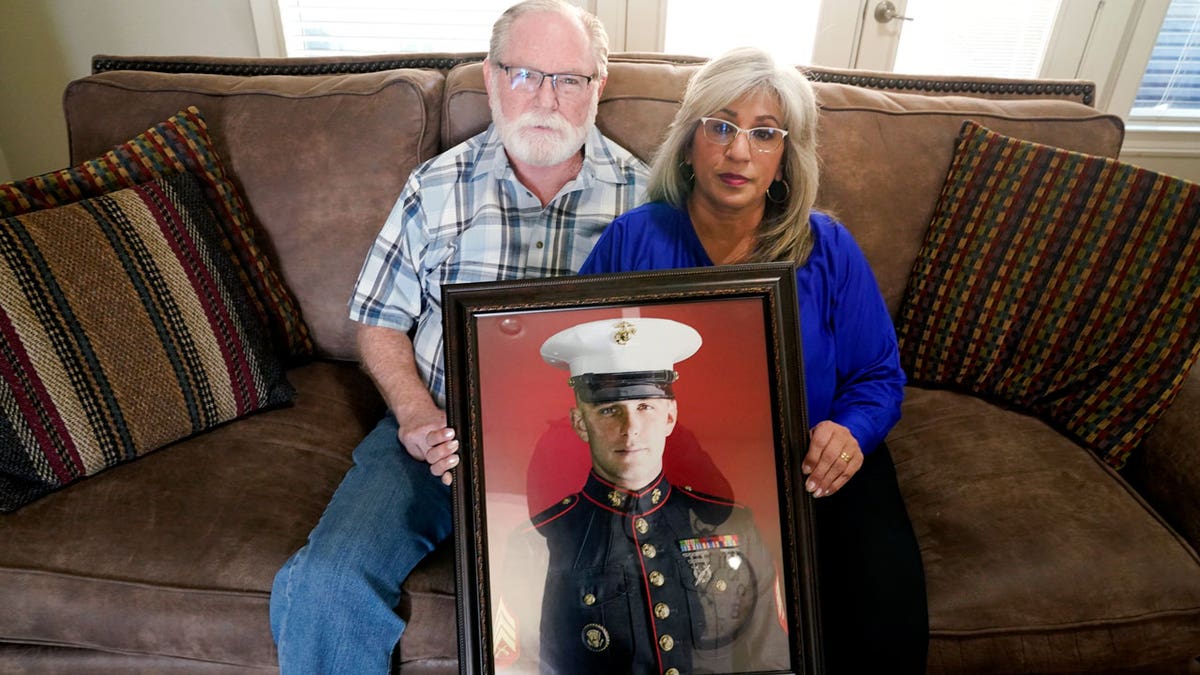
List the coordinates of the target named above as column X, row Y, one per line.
column 660, row 580
column 663, row 580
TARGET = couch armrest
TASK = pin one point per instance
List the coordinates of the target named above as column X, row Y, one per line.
column 1166, row 468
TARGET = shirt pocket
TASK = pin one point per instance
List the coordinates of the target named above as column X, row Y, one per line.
column 588, row 620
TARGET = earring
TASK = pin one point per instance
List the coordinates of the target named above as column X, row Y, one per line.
column 787, row 190
column 691, row 173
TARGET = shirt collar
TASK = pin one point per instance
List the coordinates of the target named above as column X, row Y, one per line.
column 599, row 163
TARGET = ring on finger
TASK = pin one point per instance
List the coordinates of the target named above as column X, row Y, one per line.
column 845, row 456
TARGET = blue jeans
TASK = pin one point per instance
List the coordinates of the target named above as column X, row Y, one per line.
column 333, row 602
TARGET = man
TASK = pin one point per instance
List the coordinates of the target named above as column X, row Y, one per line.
column 526, row 198
column 641, row 576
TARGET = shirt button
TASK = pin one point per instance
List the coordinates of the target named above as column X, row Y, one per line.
column 642, row 526
column 589, row 599
column 539, row 244
column 666, row 642
column 661, row 610
column 649, row 551
column 656, row 578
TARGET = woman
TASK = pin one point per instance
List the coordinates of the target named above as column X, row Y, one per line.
column 735, row 181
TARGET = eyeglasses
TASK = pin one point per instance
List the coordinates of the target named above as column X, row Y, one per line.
column 528, row 81
column 723, row 132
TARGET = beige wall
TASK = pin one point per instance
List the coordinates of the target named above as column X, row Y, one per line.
column 44, row 44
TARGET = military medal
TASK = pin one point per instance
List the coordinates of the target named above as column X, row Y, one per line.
column 701, row 566
column 595, row 637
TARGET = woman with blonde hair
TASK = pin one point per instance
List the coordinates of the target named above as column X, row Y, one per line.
column 734, row 182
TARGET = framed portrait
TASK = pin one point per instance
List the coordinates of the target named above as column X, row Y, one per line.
column 630, row 496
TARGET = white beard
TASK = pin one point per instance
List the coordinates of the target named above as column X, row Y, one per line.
column 542, row 139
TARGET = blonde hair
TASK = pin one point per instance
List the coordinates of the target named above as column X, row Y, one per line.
column 597, row 36
column 784, row 233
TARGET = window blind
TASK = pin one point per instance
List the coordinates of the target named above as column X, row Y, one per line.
column 332, row 27
column 1171, row 86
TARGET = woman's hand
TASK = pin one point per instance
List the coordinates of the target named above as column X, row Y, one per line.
column 833, row 458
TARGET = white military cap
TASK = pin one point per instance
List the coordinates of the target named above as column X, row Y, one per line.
column 620, row 359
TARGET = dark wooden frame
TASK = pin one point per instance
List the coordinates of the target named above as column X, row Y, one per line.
column 772, row 284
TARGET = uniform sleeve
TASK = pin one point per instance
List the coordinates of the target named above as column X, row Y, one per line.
column 870, row 382
column 389, row 288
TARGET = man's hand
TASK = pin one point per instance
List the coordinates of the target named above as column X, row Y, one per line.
column 433, row 443
column 388, row 356
column 833, row 458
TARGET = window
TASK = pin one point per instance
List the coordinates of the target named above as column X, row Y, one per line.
column 951, row 37
column 712, row 27
column 1170, row 88
column 329, row 27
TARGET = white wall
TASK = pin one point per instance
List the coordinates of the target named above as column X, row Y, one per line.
column 44, row 44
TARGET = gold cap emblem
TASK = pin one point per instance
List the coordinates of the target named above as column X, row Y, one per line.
column 624, row 332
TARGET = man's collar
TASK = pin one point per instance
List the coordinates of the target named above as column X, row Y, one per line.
column 598, row 160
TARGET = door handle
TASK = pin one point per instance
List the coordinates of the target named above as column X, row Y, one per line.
column 886, row 11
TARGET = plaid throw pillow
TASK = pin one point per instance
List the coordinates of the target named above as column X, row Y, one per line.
column 1060, row 283
column 123, row 327
column 180, row 144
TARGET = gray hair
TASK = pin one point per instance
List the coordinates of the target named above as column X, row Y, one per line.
column 784, row 233
column 597, row 36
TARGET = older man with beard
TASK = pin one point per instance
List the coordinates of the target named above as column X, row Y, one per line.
column 526, row 198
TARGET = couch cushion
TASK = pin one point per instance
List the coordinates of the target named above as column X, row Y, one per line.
column 174, row 555
column 1062, row 283
column 179, row 144
column 320, row 160
column 124, row 327
column 897, row 148
column 1038, row 557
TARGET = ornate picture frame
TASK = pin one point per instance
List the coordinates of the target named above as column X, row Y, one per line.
column 737, row 591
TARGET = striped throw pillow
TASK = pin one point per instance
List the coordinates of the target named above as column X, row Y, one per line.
column 180, row 144
column 123, row 327
column 1063, row 284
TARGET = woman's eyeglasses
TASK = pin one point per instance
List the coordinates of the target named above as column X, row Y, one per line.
column 723, row 132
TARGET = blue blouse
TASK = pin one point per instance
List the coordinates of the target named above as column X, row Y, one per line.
column 851, row 361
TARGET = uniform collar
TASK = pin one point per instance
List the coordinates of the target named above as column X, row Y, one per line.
column 620, row 500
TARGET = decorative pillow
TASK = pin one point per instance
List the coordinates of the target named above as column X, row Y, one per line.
column 1064, row 284
column 123, row 327
column 180, row 144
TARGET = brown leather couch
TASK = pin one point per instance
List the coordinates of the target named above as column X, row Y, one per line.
column 1039, row 558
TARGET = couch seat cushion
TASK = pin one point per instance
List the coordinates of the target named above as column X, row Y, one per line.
column 1038, row 557
column 173, row 555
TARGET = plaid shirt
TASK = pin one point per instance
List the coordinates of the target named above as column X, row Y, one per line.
column 464, row 217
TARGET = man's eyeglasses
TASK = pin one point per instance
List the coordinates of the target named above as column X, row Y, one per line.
column 528, row 81
column 723, row 132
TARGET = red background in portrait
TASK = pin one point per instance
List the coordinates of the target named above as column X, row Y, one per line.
column 723, row 395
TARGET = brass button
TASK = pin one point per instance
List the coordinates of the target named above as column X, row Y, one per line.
column 589, row 599
column 721, row 585
column 656, row 578
column 649, row 551
column 641, row 525
column 671, row 671
column 540, row 244
column 661, row 610
column 666, row 642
